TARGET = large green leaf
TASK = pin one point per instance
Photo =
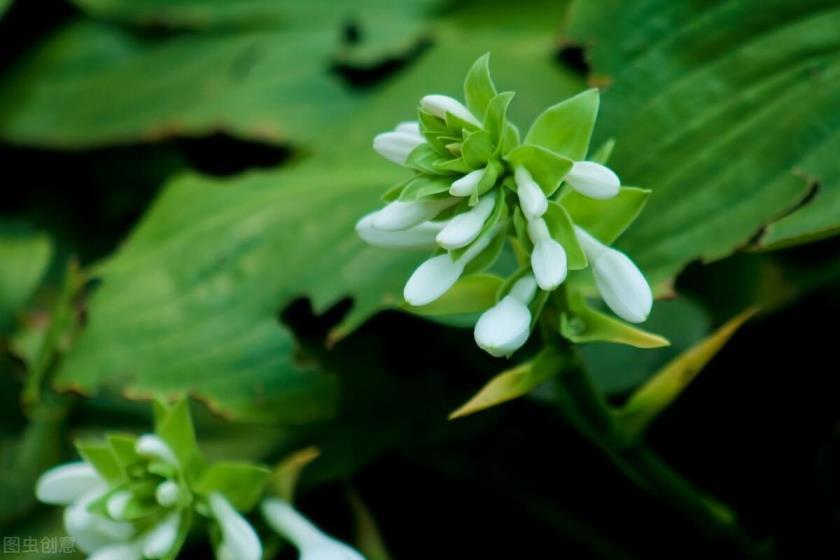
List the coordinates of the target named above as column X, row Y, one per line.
column 250, row 13
column 725, row 109
column 94, row 84
column 25, row 255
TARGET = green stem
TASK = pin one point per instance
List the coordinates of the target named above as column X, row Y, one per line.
column 584, row 406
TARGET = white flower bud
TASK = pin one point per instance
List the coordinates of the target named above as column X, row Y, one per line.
column 310, row 541
column 435, row 276
column 160, row 540
column 153, row 447
column 118, row 504
column 532, row 199
column 467, row 184
column 593, row 180
column 396, row 146
column 167, row 493
column 505, row 327
column 548, row 259
column 64, row 484
column 90, row 531
column 620, row 282
column 421, row 236
column 410, row 127
column 399, row 215
column 239, row 540
column 465, row 227
column 439, row 105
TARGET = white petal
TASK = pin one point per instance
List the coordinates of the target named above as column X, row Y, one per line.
column 153, row 447
column 118, row 503
column 622, row 286
column 439, row 105
column 312, row 543
column 593, row 180
column 432, row 279
column 167, row 493
column 159, row 541
column 548, row 262
column 504, row 328
column 409, row 127
column 538, row 231
column 466, row 184
column 524, row 289
column 465, row 227
column 123, row 551
column 239, row 539
column 396, row 146
column 532, row 200
column 399, row 215
column 91, row 532
column 64, row 484
column 421, row 236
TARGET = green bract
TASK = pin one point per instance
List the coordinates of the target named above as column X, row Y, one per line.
column 478, row 189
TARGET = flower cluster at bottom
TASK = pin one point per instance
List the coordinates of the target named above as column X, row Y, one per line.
column 134, row 498
column 476, row 184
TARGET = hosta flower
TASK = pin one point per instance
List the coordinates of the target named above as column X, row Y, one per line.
column 399, row 215
column 465, row 227
column 239, row 540
column 467, row 184
column 548, row 259
column 398, row 144
column 532, row 200
column 435, row 276
column 439, row 105
column 421, row 236
column 593, row 180
column 504, row 328
column 310, row 541
column 619, row 280
column 141, row 508
column 477, row 184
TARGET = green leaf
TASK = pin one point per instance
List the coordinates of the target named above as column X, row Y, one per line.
column 478, row 87
column 470, row 294
column 495, row 120
column 661, row 390
column 101, row 457
column 515, row 382
column 173, row 423
column 583, row 324
column 547, row 167
column 424, row 186
column 25, row 254
column 241, row 483
column 123, row 448
column 477, row 148
column 729, row 120
column 566, row 128
column 424, row 158
column 200, row 14
column 605, row 220
column 268, row 85
column 562, row 230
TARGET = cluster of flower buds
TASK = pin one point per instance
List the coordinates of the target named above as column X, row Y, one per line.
column 138, row 498
column 475, row 184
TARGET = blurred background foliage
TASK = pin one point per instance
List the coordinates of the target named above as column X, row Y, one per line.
column 181, row 183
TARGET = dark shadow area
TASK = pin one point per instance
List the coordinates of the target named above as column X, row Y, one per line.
column 224, row 155
column 573, row 57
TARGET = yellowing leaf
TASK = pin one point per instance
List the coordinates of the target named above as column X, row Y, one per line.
column 514, row 383
column 663, row 389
